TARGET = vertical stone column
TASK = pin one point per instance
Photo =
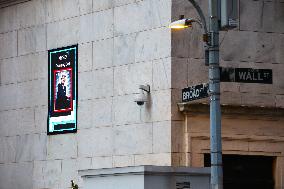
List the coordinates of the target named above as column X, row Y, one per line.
column 279, row 173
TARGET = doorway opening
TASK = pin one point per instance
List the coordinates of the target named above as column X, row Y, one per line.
column 246, row 172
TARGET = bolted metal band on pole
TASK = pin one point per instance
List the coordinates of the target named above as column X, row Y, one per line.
column 214, row 91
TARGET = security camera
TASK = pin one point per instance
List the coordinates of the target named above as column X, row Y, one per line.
column 141, row 98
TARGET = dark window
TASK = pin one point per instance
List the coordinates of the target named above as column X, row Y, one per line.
column 246, row 172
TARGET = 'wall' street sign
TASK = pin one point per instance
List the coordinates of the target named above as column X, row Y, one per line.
column 246, row 75
column 195, row 92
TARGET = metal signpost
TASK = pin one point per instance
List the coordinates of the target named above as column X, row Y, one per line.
column 211, row 39
column 214, row 91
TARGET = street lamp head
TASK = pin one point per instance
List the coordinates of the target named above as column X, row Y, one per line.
column 182, row 23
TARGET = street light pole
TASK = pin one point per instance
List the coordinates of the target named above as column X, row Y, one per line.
column 214, row 92
column 211, row 39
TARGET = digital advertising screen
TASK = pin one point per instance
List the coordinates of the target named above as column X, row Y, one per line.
column 62, row 90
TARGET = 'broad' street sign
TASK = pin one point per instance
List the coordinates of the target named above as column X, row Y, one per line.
column 246, row 75
column 195, row 92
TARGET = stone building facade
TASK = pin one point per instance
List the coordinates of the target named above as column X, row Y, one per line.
column 123, row 44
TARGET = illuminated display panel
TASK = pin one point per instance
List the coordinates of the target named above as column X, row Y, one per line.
column 62, row 90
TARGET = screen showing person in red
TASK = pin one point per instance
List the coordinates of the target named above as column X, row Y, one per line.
column 63, row 91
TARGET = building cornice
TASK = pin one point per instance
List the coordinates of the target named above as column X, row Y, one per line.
column 195, row 109
column 6, row 3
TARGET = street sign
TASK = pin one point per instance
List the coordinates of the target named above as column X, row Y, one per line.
column 195, row 92
column 246, row 75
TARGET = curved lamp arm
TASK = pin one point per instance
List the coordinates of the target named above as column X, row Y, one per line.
column 201, row 15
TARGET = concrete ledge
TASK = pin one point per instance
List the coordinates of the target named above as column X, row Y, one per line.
column 145, row 170
column 194, row 109
column 146, row 177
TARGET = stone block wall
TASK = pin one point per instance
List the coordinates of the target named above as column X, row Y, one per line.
column 122, row 43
